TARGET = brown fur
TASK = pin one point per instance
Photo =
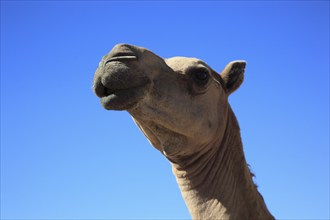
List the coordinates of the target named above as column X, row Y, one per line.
column 181, row 106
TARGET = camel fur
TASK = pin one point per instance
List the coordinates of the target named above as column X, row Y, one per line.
column 181, row 106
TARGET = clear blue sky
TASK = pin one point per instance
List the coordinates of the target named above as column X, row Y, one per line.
column 64, row 156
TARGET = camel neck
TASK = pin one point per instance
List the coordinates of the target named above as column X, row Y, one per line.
column 217, row 184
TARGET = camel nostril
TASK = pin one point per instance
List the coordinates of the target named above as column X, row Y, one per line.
column 122, row 51
column 120, row 57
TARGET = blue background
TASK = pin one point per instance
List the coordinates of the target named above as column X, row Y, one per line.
column 64, row 156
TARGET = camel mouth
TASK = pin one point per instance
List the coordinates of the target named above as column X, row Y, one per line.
column 123, row 98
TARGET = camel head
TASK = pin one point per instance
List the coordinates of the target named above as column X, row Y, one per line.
column 180, row 104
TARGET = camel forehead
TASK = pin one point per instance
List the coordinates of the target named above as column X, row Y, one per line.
column 179, row 64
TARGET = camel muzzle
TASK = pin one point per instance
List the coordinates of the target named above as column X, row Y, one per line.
column 118, row 81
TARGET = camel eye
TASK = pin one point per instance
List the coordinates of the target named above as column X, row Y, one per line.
column 201, row 76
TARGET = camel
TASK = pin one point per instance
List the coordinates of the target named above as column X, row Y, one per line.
column 181, row 105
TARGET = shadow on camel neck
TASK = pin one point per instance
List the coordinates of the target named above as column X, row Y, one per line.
column 181, row 106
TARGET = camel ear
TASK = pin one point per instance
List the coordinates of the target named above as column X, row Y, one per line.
column 233, row 75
